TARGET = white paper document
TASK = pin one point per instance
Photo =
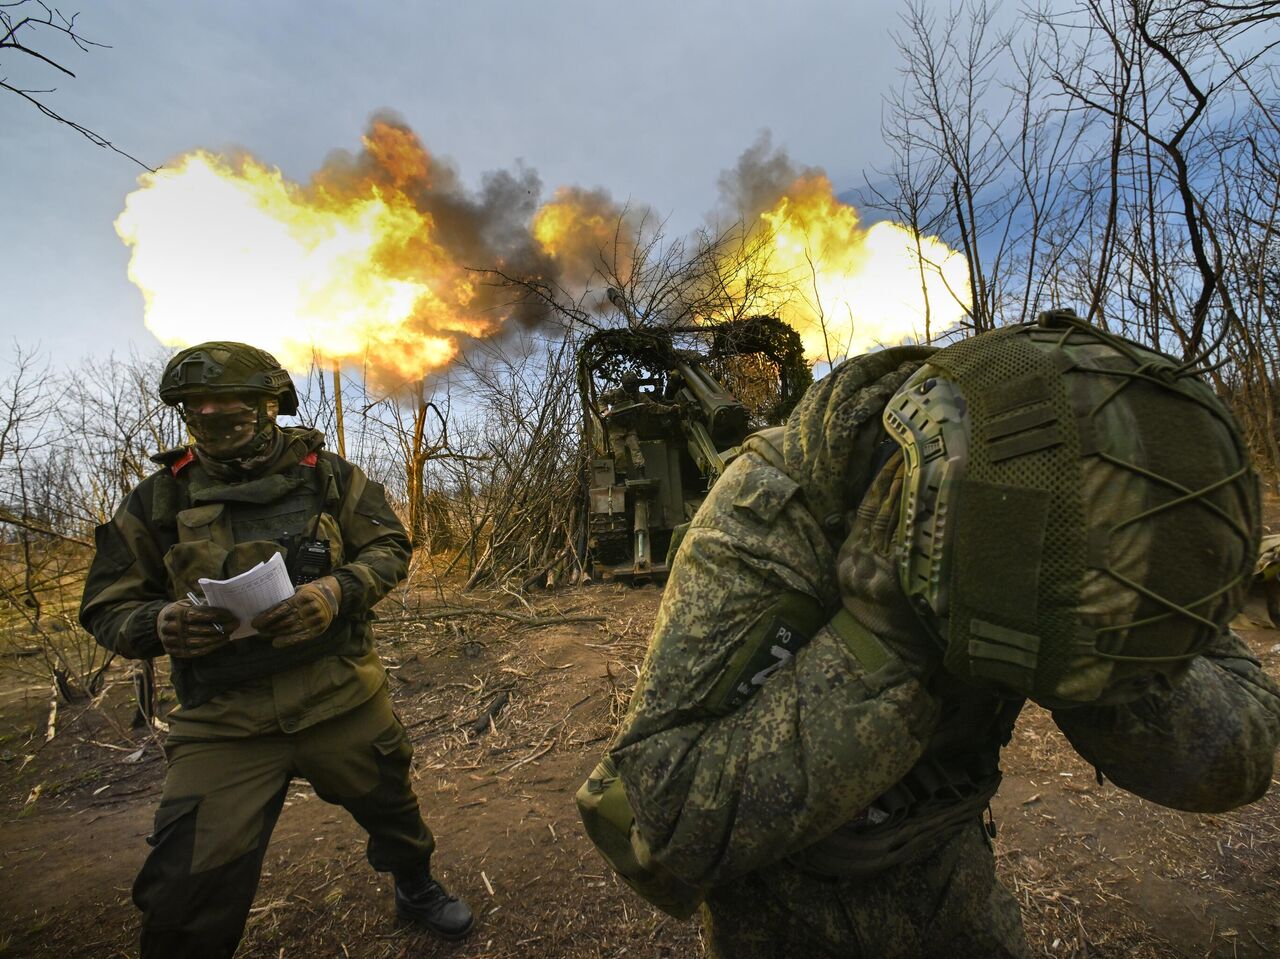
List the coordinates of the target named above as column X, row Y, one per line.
column 250, row 593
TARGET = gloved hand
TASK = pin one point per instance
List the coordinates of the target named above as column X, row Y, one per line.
column 187, row 630
column 304, row 615
column 867, row 570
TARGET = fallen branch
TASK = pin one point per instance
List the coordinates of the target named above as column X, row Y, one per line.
column 429, row 719
column 52, row 729
column 484, row 722
column 545, row 571
column 550, row 737
column 531, row 757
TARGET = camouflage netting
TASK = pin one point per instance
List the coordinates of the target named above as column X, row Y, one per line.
column 761, row 361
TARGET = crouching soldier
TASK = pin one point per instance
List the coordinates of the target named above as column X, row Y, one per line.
column 304, row 697
column 868, row 596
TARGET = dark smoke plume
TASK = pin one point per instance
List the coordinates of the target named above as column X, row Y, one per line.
column 761, row 177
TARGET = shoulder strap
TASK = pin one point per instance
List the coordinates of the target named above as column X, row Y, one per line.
column 328, row 480
column 169, row 497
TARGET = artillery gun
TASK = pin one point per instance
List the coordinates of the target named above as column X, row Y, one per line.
column 660, row 426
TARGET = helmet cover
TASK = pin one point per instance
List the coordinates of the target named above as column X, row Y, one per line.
column 227, row 367
column 1079, row 513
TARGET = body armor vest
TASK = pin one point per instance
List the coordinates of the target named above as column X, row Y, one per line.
column 221, row 529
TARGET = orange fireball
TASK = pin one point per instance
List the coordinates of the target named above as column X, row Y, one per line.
column 845, row 288
column 350, row 267
column 858, row 288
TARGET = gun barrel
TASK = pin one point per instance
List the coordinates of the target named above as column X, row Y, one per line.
column 726, row 416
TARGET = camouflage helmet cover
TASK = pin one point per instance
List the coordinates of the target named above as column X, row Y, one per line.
column 1080, row 516
column 223, row 366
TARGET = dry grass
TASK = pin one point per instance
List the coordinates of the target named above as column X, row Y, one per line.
column 509, row 702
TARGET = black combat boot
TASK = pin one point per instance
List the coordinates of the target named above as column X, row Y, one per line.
column 422, row 900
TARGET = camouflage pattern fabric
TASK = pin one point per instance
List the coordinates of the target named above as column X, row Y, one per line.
column 222, row 797
column 947, row 904
column 830, row 439
column 1204, row 744
column 238, row 737
column 1268, row 564
column 722, row 801
column 173, row 529
column 1266, row 579
column 821, row 739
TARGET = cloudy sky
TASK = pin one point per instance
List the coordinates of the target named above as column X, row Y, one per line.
column 650, row 101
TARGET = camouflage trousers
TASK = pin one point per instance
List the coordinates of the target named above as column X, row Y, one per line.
column 946, row 905
column 221, row 801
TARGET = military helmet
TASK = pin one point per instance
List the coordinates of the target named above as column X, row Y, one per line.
column 227, row 367
column 1079, row 518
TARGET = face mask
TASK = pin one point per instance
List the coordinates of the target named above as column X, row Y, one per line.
column 223, row 434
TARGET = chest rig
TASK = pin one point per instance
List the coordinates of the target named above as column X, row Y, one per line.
column 220, row 529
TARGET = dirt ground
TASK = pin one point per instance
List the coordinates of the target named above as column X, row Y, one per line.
column 1099, row 872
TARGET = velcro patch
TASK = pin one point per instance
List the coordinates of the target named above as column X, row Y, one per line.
column 782, row 641
column 1003, row 528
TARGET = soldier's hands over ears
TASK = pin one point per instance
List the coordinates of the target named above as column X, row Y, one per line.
column 867, row 569
column 187, row 630
column 303, row 616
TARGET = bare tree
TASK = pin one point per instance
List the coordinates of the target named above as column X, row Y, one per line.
column 44, row 551
column 28, row 30
column 418, row 443
column 717, row 274
column 516, row 470
column 113, row 421
column 1120, row 156
column 915, row 185
column 953, row 112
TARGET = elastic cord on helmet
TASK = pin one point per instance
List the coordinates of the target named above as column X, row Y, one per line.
column 1046, row 627
column 1166, row 376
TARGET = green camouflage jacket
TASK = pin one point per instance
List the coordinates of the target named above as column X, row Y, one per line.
column 180, row 524
column 718, row 794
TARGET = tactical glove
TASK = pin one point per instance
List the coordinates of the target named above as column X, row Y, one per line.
column 187, row 630
column 304, row 615
column 867, row 570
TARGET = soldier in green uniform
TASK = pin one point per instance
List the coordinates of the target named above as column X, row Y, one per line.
column 304, row 697
column 869, row 595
